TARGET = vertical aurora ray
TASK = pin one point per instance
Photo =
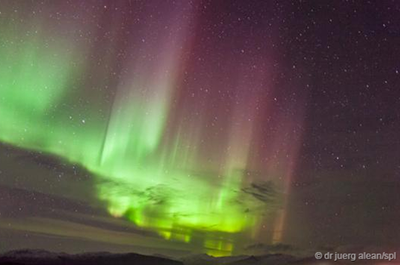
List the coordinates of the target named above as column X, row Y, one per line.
column 153, row 175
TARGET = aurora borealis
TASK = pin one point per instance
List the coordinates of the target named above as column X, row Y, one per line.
column 137, row 133
column 197, row 122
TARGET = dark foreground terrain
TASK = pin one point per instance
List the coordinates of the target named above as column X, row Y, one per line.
column 40, row 257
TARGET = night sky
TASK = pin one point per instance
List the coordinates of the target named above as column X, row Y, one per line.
column 165, row 126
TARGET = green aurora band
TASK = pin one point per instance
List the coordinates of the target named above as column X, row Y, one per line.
column 141, row 176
